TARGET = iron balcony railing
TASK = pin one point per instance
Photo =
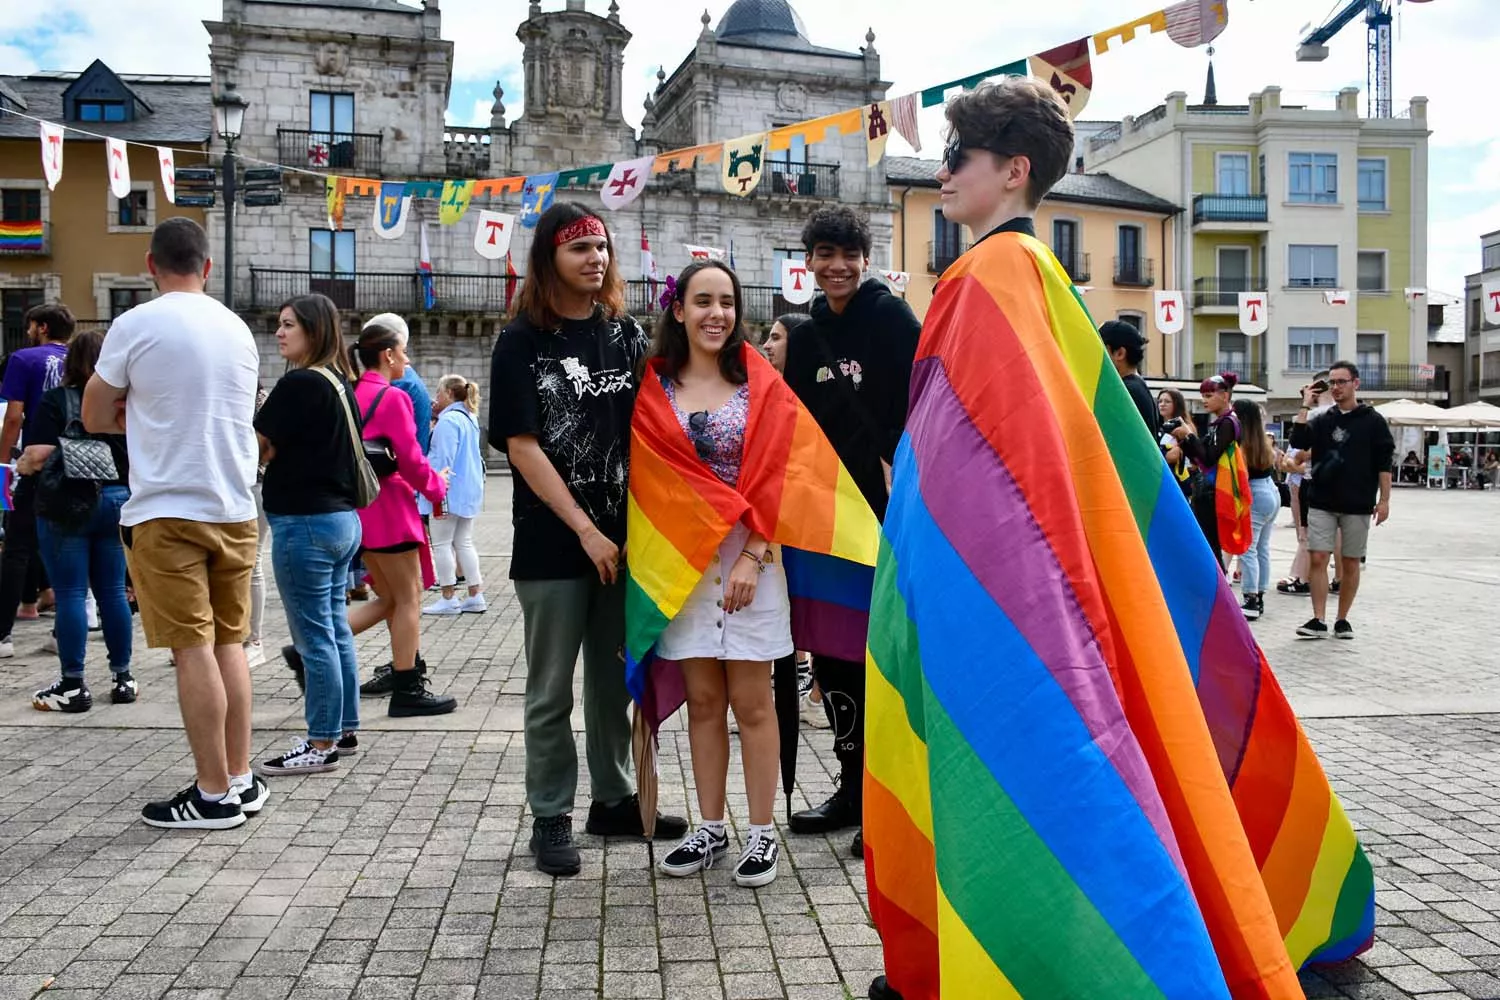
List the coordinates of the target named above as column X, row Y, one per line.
column 357, row 152
column 1223, row 292
column 1403, row 378
column 1077, row 266
column 25, row 239
column 1229, row 208
column 941, row 255
column 804, row 180
column 1251, row 372
column 1135, row 272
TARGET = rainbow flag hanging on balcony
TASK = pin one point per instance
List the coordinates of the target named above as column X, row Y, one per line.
column 19, row 237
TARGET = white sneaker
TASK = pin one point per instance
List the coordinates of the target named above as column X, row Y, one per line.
column 7, row 649
column 50, row 645
column 814, row 714
column 255, row 652
column 91, row 612
column 443, row 606
column 475, row 605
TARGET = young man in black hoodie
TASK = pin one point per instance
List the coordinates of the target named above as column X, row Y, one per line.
column 1352, row 450
column 851, row 367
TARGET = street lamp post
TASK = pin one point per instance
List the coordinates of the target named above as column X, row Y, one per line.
column 229, row 119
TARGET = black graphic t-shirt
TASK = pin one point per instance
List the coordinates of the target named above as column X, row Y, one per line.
column 573, row 389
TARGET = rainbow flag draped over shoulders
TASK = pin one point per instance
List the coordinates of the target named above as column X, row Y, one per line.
column 792, row 489
column 1082, row 779
column 1232, row 499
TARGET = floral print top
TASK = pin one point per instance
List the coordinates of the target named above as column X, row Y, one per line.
column 718, row 436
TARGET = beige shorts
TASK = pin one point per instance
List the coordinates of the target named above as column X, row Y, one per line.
column 192, row 580
column 1325, row 526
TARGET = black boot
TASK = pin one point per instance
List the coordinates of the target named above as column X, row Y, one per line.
column 410, row 696
column 380, row 684
column 294, row 661
column 842, row 810
column 879, row 990
column 857, row 846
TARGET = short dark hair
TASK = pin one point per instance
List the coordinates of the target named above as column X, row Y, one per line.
column 1018, row 117
column 56, row 317
column 82, row 356
column 670, row 340
column 1117, row 333
column 1348, row 366
column 319, row 319
column 179, row 246
column 841, row 226
column 536, row 300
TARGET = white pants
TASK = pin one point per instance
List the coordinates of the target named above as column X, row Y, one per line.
column 452, row 536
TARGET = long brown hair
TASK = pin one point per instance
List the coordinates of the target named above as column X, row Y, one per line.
column 670, row 340
column 538, row 297
column 319, row 319
column 83, row 354
column 1258, row 454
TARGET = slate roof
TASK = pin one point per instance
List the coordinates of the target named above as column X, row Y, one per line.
column 1089, row 189
column 181, row 108
column 769, row 24
column 1452, row 330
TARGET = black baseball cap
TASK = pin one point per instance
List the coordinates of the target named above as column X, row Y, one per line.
column 1117, row 333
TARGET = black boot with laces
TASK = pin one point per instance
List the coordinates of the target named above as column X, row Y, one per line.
column 552, row 843
column 842, row 810
column 410, row 695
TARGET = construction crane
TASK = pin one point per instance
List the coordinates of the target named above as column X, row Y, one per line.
column 1378, row 21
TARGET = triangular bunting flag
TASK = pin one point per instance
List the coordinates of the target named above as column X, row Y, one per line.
column 536, row 198
column 168, row 172
column 627, row 179
column 904, row 119
column 391, row 210
column 1169, row 317
column 455, row 201
column 1068, row 70
column 1336, row 297
column 797, row 284
column 898, row 279
column 1196, row 22
column 117, row 157
column 1126, row 32
column 877, row 122
column 335, row 195
column 742, row 162
column 492, row 234
column 933, row 96
column 52, row 154
column 704, row 253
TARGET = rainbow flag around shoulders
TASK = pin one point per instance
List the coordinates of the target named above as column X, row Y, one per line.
column 21, row 236
column 1082, row 779
column 1232, row 500
column 792, row 489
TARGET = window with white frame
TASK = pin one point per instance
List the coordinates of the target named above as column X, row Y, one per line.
column 1234, row 173
column 1372, row 185
column 1492, row 257
column 1312, row 266
column 1369, row 354
column 1311, row 348
column 1233, row 353
column 1313, row 178
column 1372, row 271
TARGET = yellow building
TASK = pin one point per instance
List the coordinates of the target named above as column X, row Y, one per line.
column 1114, row 239
column 91, row 254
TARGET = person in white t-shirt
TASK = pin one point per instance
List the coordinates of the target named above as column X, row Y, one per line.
column 178, row 376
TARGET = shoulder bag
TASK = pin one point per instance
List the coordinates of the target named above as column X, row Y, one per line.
column 68, row 484
column 378, row 451
column 366, row 482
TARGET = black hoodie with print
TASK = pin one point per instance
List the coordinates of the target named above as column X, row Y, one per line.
column 852, row 370
column 1349, row 452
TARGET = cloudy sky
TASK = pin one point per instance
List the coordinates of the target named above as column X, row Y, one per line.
column 1439, row 51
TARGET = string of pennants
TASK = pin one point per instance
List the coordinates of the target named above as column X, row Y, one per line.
column 1068, row 68
column 1254, row 308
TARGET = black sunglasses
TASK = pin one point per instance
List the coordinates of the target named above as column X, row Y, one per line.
column 698, row 433
column 956, row 154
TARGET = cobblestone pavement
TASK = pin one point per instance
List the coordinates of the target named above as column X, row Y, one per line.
column 406, row 873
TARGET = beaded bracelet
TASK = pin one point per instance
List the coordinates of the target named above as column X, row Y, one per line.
column 759, row 562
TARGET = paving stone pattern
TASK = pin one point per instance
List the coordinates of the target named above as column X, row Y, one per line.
column 405, row 874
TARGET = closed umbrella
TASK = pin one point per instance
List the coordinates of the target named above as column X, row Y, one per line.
column 788, row 721
column 643, row 752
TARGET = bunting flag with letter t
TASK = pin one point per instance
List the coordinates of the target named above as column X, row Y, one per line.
column 118, row 157
column 492, row 234
column 392, row 206
column 627, row 179
column 1068, row 70
column 904, row 120
column 1337, row 297
column 52, row 154
column 455, row 201
column 897, row 279
column 334, row 192
column 536, row 198
column 877, row 123
column 168, row 165
column 697, row 252
column 1489, row 302
column 796, row 281
column 1196, row 22
column 1169, row 318
column 742, row 161
column 1253, row 318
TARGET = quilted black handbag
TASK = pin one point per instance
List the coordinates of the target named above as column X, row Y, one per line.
column 68, row 484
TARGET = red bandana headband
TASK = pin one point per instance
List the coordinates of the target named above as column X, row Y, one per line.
column 586, row 226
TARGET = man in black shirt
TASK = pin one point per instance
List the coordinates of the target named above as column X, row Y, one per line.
column 1127, row 348
column 563, row 380
column 851, row 367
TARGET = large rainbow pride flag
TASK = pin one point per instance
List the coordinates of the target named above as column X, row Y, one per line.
column 22, row 236
column 792, row 490
column 1082, row 779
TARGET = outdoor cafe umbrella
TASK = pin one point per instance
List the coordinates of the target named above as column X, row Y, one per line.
column 1409, row 413
column 788, row 721
column 1477, row 414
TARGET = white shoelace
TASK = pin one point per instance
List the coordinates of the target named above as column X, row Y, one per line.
column 760, row 848
column 701, row 841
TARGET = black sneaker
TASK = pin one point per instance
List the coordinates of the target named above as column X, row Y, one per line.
column 1294, row 588
column 881, row 990
column 252, row 796
column 303, row 758
column 1333, row 588
column 552, row 843
column 841, row 811
column 1251, row 608
column 348, row 745
column 124, row 690
column 187, row 810
column 380, row 684
column 1314, row 629
column 411, row 695
column 695, row 854
column 757, row 865
column 624, row 820
column 70, row 694
column 294, row 661
column 1343, row 630
column 857, row 845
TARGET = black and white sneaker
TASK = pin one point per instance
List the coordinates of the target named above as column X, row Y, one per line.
column 188, row 810
column 1314, row 629
column 695, row 854
column 124, row 689
column 348, row 745
column 252, row 796
column 304, row 758
column 70, row 694
column 1343, row 630
column 757, row 866
column 1251, row 608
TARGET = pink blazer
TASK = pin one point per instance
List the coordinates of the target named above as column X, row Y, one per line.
column 393, row 517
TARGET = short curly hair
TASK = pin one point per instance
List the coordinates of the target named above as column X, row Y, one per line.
column 1017, row 117
column 841, row 226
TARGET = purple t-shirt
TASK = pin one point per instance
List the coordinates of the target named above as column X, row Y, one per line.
column 31, row 372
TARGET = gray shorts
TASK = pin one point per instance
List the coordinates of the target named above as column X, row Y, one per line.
column 1324, row 527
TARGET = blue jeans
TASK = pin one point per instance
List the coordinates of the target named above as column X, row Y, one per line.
column 1255, row 564
column 92, row 558
column 310, row 554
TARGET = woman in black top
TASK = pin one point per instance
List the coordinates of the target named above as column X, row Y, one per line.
column 1173, row 407
column 310, row 493
column 1223, row 428
column 80, row 556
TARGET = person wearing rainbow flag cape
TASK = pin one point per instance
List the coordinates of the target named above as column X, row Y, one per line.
column 1082, row 778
